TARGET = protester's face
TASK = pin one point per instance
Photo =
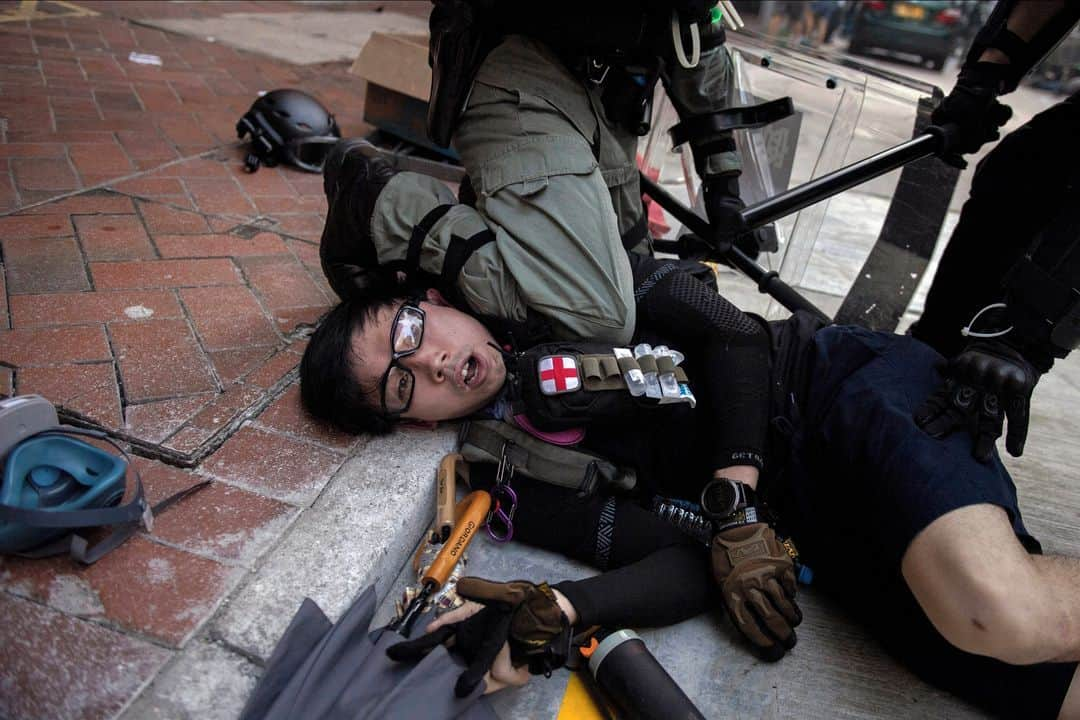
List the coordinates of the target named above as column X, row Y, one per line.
column 455, row 371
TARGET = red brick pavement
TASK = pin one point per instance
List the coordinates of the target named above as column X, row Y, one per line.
column 152, row 288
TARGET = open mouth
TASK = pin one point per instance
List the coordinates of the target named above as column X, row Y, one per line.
column 471, row 371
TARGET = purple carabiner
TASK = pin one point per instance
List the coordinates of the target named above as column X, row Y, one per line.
column 505, row 518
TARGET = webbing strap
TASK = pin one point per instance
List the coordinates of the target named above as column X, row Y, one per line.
column 420, row 231
column 489, row 440
column 458, row 253
column 637, row 232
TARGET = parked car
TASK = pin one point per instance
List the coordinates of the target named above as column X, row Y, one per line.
column 928, row 29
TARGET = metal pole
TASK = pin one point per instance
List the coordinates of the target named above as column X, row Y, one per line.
column 791, row 201
column 840, row 180
column 768, row 281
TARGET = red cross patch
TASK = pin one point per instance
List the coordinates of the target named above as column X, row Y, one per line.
column 558, row 374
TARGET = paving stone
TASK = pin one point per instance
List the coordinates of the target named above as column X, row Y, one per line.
column 59, row 667
column 376, row 496
column 32, row 150
column 158, row 98
column 44, row 174
column 93, row 307
column 141, row 586
column 307, row 253
column 74, row 107
column 90, row 202
column 281, row 282
column 223, row 410
column 289, row 319
column 267, row 181
column 113, row 237
column 200, row 167
column 220, row 520
column 7, row 381
column 287, row 414
column 44, row 265
column 274, row 465
column 165, row 220
column 228, row 317
column 99, row 159
column 89, row 390
column 26, row 347
column 204, row 681
column 274, row 204
column 159, row 359
column 156, row 421
column 233, row 364
column 219, row 196
column 275, row 368
column 163, row 273
column 111, row 100
column 219, row 245
column 25, row 227
column 308, row 226
column 5, row 319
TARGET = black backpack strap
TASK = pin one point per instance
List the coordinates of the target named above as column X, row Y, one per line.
column 457, row 254
column 420, row 231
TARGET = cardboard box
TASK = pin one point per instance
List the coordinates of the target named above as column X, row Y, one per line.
column 396, row 62
column 395, row 67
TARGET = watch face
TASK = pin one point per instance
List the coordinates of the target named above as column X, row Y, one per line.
column 719, row 498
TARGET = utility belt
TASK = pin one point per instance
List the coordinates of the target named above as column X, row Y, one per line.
column 555, row 391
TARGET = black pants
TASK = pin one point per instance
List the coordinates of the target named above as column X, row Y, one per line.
column 1016, row 187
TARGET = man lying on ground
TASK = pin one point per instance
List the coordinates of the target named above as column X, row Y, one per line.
column 911, row 534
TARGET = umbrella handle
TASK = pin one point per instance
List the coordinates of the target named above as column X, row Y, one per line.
column 469, row 519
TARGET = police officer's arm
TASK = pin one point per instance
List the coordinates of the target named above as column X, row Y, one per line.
column 1015, row 37
column 705, row 88
column 525, row 254
column 1025, row 20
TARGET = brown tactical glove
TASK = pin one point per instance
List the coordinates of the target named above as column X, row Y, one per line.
column 757, row 580
column 519, row 612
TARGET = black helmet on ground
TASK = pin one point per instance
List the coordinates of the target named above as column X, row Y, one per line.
column 288, row 126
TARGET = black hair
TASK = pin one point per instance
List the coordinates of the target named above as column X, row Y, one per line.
column 328, row 385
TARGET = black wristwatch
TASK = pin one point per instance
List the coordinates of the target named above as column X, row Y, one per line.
column 728, row 503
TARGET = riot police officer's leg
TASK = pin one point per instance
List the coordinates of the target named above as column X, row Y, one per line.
column 1019, row 185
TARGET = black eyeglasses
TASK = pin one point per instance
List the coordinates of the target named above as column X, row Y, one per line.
column 396, row 386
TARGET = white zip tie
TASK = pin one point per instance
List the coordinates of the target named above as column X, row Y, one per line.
column 968, row 332
column 695, row 42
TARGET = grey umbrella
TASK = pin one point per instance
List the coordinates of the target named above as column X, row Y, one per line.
column 333, row 671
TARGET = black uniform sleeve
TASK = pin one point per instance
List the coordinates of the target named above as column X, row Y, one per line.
column 655, row 574
column 731, row 350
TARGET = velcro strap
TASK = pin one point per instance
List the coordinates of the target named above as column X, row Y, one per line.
column 647, row 363
column 599, row 367
column 626, row 364
column 665, row 365
column 420, row 231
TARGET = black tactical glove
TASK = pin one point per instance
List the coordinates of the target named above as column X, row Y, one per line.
column 723, row 207
column 519, row 612
column 971, row 112
column 757, row 580
column 985, row 383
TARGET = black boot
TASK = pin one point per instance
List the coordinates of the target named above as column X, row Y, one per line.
column 352, row 182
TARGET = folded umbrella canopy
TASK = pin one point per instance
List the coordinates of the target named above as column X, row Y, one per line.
column 337, row 671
